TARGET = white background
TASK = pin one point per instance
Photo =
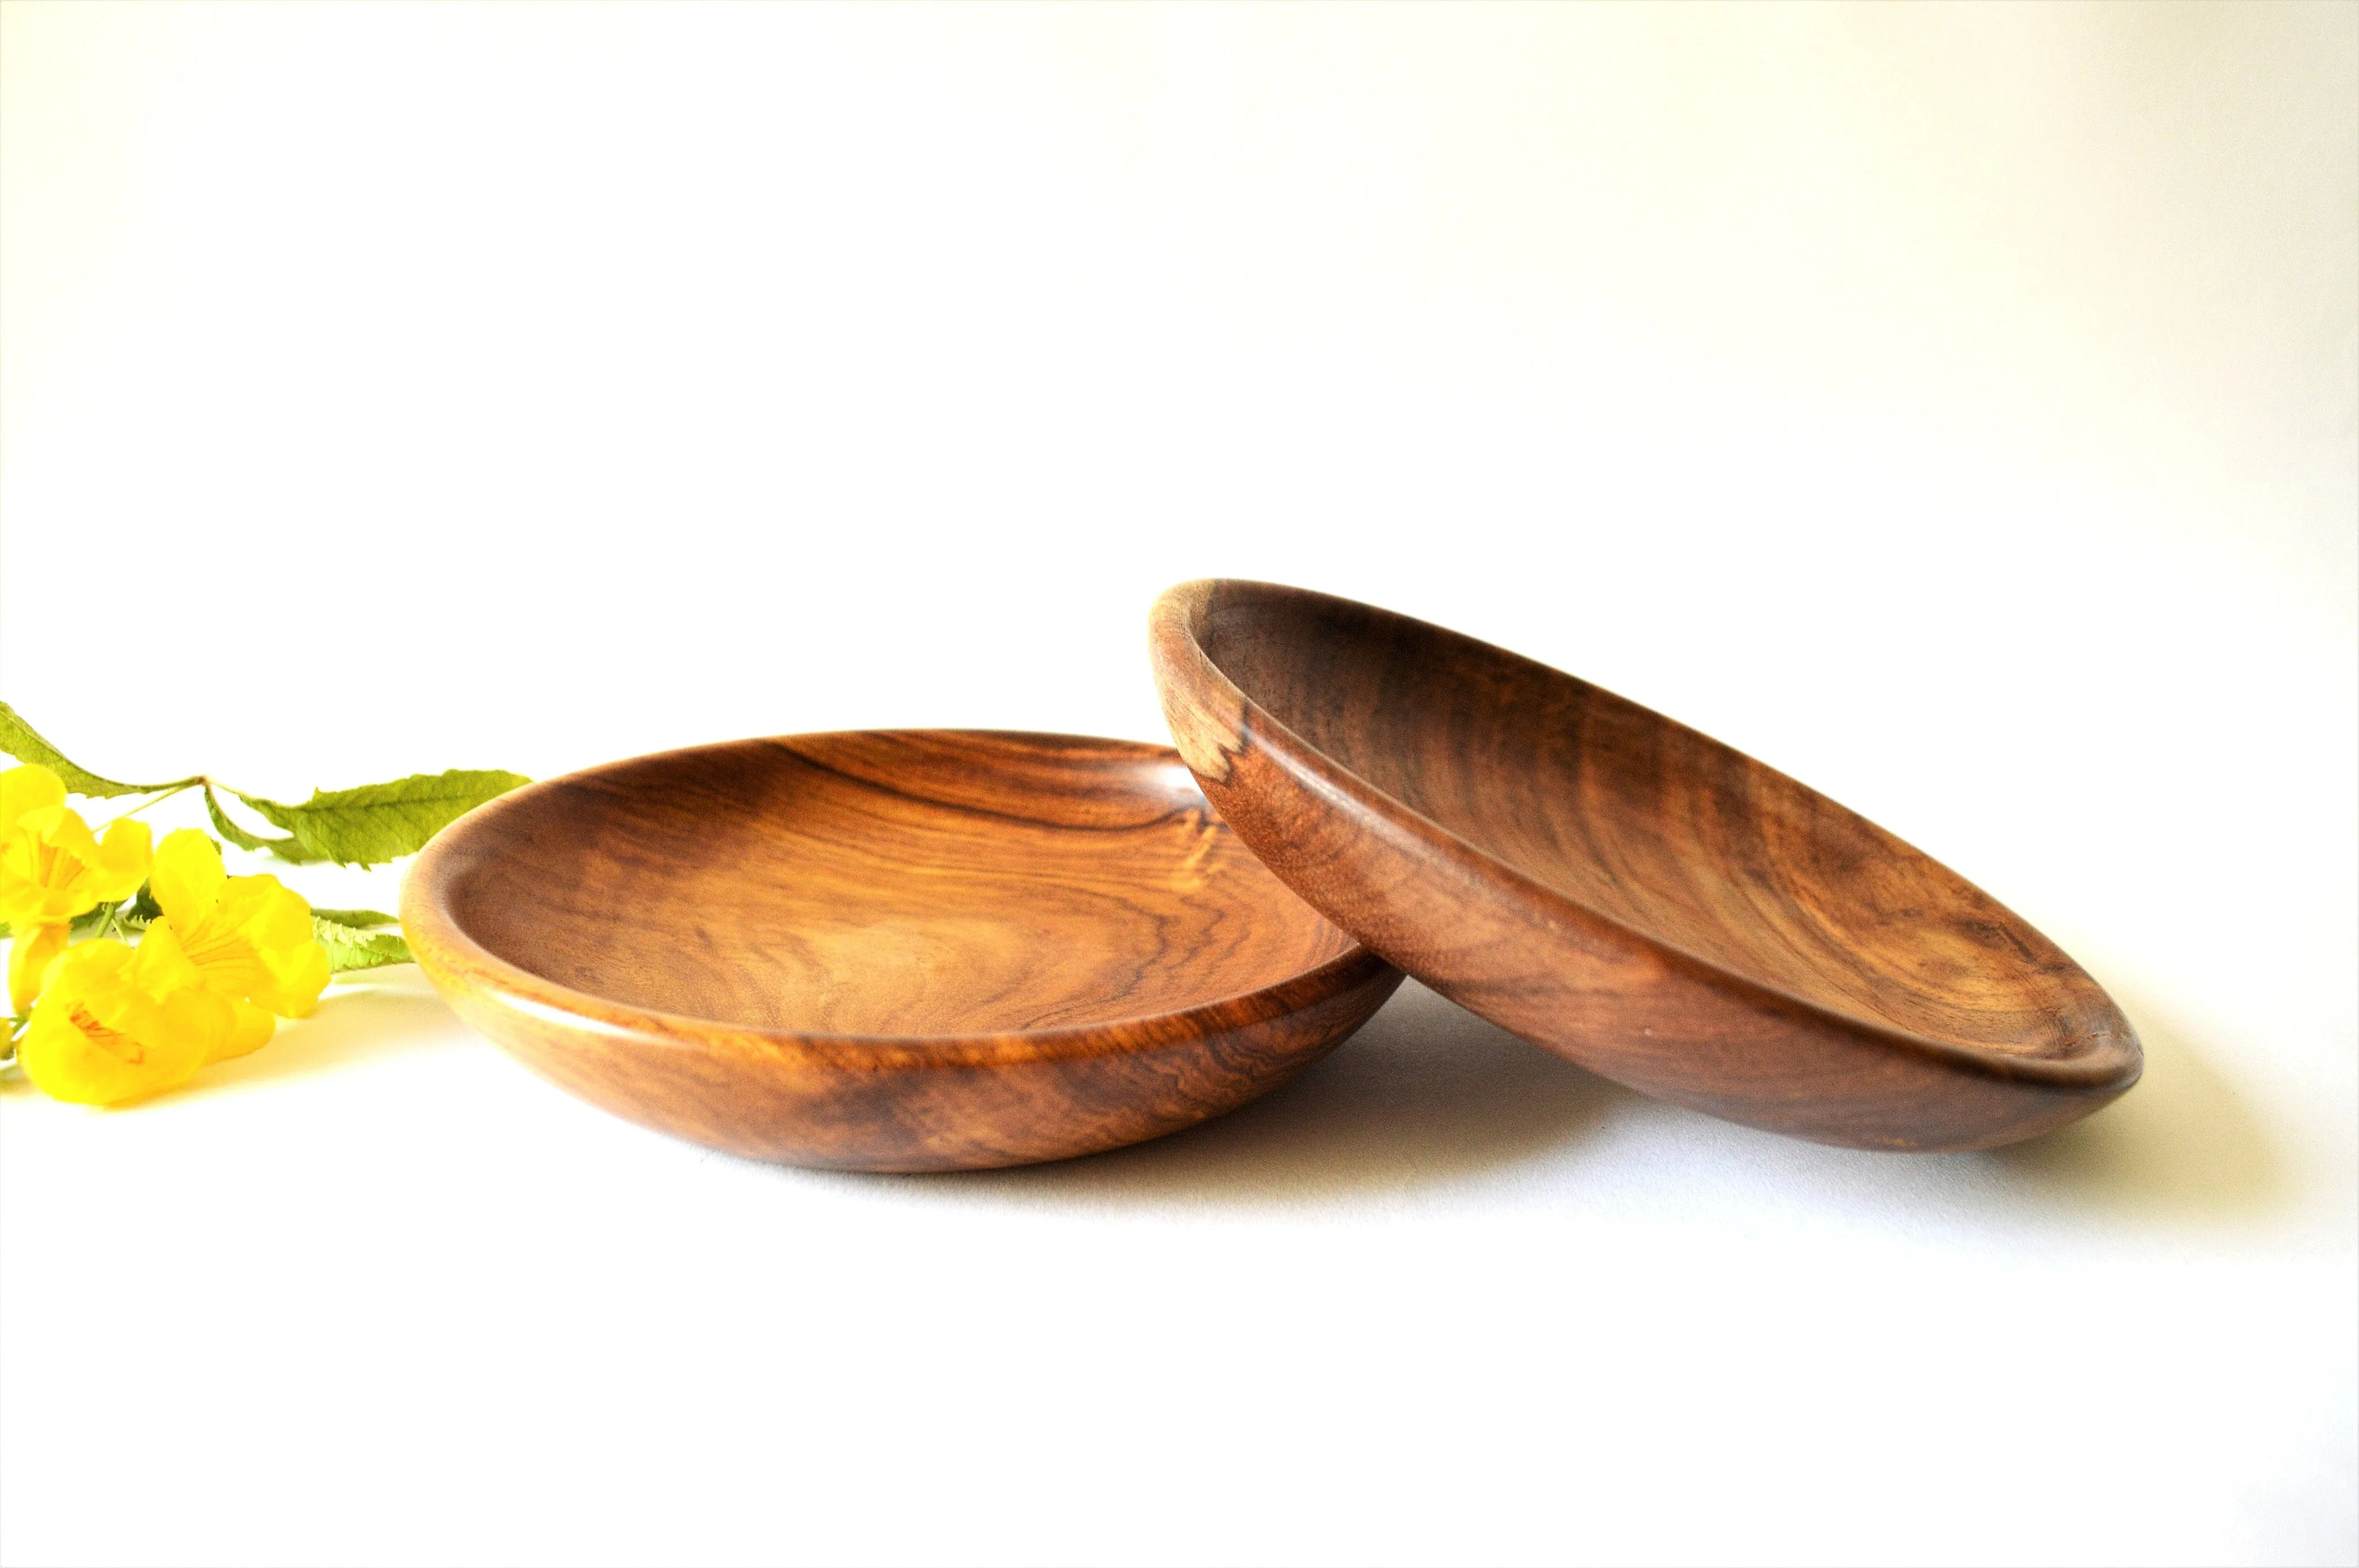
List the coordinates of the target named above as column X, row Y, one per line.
column 1953, row 408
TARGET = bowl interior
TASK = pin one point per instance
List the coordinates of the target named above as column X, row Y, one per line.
column 898, row 884
column 1660, row 828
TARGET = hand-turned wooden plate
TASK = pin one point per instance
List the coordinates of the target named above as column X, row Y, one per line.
column 914, row 950
column 1622, row 890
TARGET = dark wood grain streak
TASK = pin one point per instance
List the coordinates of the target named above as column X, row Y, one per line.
column 886, row 951
column 1622, row 890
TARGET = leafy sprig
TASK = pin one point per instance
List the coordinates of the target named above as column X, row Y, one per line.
column 364, row 827
column 367, row 826
column 353, row 947
column 252, row 966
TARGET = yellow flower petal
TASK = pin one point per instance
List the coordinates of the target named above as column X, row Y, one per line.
column 298, row 976
column 30, row 953
column 121, row 863
column 53, row 867
column 28, row 788
column 250, row 1030
column 186, row 878
column 69, row 1058
column 272, row 914
column 251, row 937
column 43, row 860
column 62, row 827
column 113, row 1024
column 159, row 964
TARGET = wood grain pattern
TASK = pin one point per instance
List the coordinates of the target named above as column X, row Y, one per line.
column 1622, row 890
column 888, row 951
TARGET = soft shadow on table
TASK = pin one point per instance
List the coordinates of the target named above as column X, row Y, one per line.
column 2182, row 1145
column 1426, row 1093
column 386, row 1011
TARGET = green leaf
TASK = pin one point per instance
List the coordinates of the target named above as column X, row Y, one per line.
column 358, row 919
column 144, row 907
column 287, row 849
column 350, row 947
column 227, row 828
column 376, row 823
column 22, row 742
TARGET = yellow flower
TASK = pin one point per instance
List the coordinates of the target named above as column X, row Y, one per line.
column 30, row 953
column 115, row 1024
column 52, row 867
column 249, row 938
column 28, row 788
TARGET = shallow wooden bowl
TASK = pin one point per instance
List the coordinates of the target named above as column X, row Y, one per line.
column 915, row 950
column 1614, row 886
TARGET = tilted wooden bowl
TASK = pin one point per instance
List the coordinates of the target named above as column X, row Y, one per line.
column 914, row 950
column 1622, row 890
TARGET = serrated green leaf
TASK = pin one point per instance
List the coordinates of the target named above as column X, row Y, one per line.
column 287, row 849
column 351, row 948
column 376, row 823
column 22, row 742
column 144, row 907
column 358, row 919
column 228, row 828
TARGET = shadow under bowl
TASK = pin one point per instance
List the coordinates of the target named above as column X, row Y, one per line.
column 1609, row 884
column 912, row 950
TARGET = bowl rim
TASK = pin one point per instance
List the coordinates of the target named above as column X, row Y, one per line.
column 453, row 958
column 2098, row 1059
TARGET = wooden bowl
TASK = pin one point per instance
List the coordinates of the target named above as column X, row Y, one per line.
column 920, row 950
column 1622, row 890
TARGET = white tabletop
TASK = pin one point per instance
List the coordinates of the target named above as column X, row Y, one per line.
column 1954, row 408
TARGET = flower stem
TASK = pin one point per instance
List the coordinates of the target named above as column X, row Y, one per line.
column 155, row 800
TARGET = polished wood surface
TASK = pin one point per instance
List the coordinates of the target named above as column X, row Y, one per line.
column 1627, row 893
column 888, row 951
